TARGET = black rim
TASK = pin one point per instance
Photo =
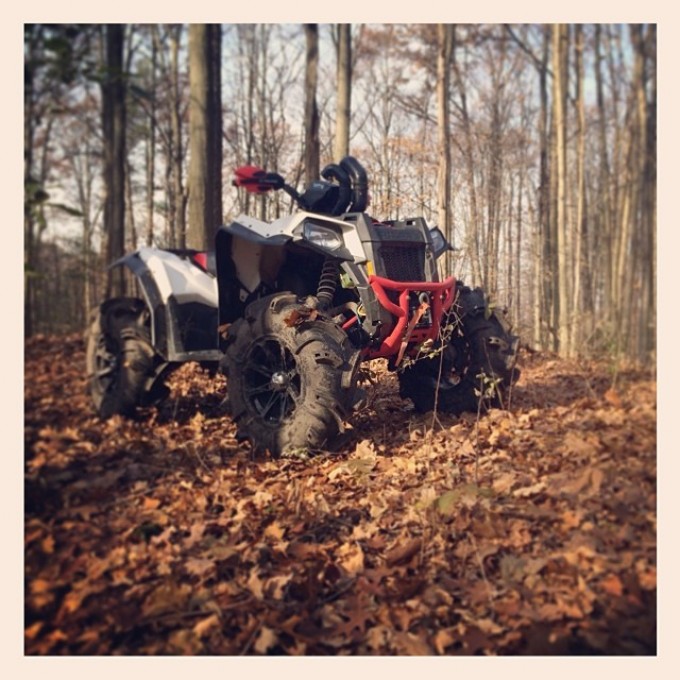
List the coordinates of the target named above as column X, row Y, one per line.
column 271, row 380
column 105, row 364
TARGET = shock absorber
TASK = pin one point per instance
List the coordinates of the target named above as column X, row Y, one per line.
column 328, row 282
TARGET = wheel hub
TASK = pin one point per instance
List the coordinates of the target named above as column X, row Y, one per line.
column 271, row 380
column 279, row 381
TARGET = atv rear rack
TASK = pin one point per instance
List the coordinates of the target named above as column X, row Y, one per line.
column 406, row 330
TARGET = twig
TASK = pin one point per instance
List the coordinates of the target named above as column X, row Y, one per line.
column 196, row 453
column 251, row 639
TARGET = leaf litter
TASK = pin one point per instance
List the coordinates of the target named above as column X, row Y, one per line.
column 530, row 530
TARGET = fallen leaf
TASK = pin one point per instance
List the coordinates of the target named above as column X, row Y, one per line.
column 206, row 626
column 256, row 585
column 612, row 585
column 612, row 397
column 199, row 567
column 351, row 558
column 443, row 638
column 266, row 639
column 527, row 491
column 403, row 552
column 408, row 643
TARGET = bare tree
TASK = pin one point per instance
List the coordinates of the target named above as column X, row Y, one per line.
column 445, row 37
column 344, row 90
column 312, row 145
column 560, row 43
column 113, row 122
column 205, row 135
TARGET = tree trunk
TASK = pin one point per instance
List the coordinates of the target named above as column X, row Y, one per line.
column 581, row 295
column 560, row 34
column 205, row 136
column 113, row 122
column 131, row 231
column 179, row 198
column 444, row 50
column 344, row 91
column 472, row 236
column 151, row 144
column 312, row 146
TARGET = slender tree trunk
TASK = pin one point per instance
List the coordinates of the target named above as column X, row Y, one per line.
column 444, row 50
column 205, row 136
column 603, row 237
column 179, row 197
column 344, row 92
column 151, row 144
column 545, row 331
column 263, row 50
column 560, row 73
column 312, row 146
column 581, row 290
column 648, row 350
column 131, row 231
column 32, row 39
column 472, row 237
column 113, row 119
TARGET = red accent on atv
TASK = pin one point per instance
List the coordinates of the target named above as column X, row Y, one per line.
column 201, row 259
column 255, row 180
column 441, row 295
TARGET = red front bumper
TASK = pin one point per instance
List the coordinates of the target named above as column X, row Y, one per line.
column 441, row 295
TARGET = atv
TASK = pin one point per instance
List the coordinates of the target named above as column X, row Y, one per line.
column 289, row 310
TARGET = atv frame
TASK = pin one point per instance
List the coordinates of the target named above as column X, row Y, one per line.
column 289, row 310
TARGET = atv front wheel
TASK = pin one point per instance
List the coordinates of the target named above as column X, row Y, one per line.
column 290, row 380
column 476, row 368
column 119, row 357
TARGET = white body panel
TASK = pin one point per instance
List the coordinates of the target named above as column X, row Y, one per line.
column 178, row 277
column 285, row 226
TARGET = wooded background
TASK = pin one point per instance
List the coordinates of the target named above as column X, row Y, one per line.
column 532, row 146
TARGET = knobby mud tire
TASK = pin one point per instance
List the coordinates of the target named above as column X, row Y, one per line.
column 290, row 381
column 481, row 345
column 119, row 357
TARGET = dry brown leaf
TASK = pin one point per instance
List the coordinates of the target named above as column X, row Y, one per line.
column 151, row 503
column 504, row 482
column 402, row 552
column 198, row 566
column 39, row 586
column 266, row 639
column 527, row 491
column 275, row 531
column 612, row 585
column 351, row 558
column 408, row 643
column 256, row 585
column 168, row 597
column 612, row 397
column 206, row 626
column 443, row 638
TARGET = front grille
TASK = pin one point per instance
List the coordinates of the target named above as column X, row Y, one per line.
column 403, row 262
column 400, row 251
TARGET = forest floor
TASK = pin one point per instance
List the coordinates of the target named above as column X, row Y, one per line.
column 526, row 531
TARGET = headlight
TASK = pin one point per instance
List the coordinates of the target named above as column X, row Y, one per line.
column 323, row 237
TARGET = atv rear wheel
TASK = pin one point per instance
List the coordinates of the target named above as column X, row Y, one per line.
column 290, row 380
column 475, row 369
column 119, row 357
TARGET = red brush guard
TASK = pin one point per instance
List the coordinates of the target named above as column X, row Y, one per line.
column 405, row 331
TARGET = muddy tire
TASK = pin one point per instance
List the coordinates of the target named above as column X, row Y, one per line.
column 290, row 380
column 476, row 368
column 119, row 357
